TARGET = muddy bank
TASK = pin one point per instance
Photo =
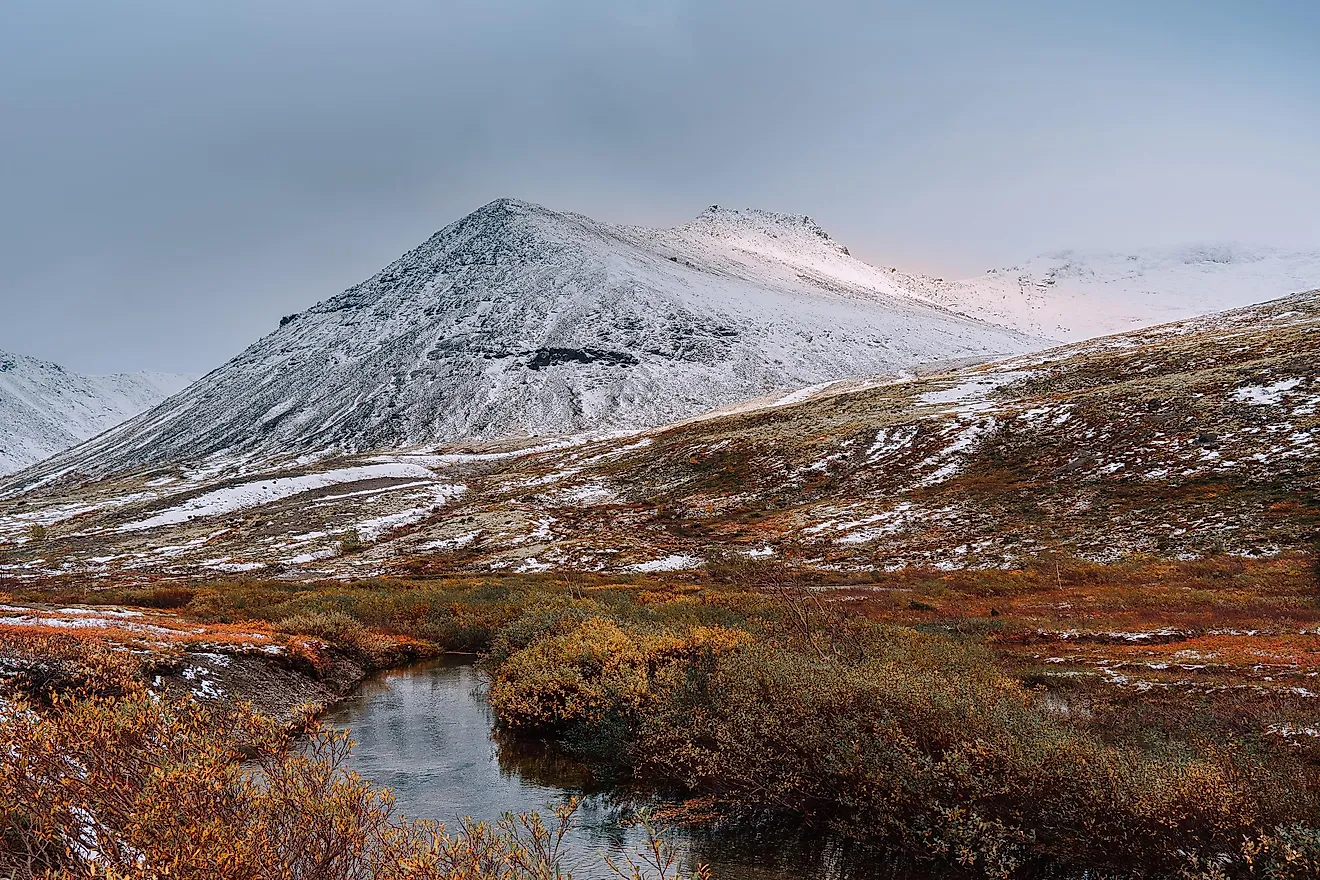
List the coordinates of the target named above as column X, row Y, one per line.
column 271, row 684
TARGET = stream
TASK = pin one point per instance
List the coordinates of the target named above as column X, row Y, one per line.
column 426, row 732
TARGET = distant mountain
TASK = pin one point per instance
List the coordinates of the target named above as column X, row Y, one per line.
column 1075, row 295
column 45, row 409
column 518, row 320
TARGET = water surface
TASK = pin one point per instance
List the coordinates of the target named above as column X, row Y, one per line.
column 426, row 732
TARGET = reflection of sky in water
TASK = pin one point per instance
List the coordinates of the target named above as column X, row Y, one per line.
column 426, row 733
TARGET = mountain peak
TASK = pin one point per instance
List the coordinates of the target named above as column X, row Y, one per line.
column 506, row 206
column 520, row 320
column 502, row 214
column 757, row 218
column 725, row 222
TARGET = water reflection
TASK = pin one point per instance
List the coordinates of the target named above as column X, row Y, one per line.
column 427, row 732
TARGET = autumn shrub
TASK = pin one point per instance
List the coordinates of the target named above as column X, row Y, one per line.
column 1290, row 852
column 44, row 663
column 162, row 596
column 531, row 626
column 759, row 696
column 330, row 625
column 140, row 787
column 591, row 682
column 908, row 739
column 375, row 649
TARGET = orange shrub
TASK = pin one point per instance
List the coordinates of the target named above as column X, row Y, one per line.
column 137, row 787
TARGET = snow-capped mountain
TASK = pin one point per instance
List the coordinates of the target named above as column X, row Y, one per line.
column 45, row 409
column 1077, row 295
column 519, row 320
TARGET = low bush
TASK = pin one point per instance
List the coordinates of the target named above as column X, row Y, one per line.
column 134, row 786
column 907, row 739
column 351, row 542
column 1289, row 852
column 743, row 688
column 591, row 683
column 373, row 648
column 44, row 665
column 330, row 625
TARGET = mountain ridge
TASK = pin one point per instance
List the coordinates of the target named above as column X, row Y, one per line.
column 518, row 320
column 1074, row 294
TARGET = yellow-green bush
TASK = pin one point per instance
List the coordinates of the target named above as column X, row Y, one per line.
column 1289, row 852
column 597, row 670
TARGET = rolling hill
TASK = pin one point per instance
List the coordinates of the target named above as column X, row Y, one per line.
column 1178, row 441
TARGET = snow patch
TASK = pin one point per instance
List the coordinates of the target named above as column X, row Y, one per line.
column 673, row 562
column 973, row 394
column 1265, row 395
column 246, row 495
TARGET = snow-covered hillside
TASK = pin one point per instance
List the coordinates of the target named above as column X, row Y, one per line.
column 1192, row 438
column 1078, row 295
column 518, row 320
column 45, row 409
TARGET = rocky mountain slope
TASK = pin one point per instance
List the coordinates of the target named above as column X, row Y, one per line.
column 45, row 409
column 1075, row 295
column 517, row 320
column 1193, row 438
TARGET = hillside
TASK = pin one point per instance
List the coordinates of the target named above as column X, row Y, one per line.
column 1177, row 441
column 45, row 409
column 518, row 320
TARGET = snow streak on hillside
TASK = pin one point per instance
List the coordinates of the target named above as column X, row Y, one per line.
column 45, row 409
column 1076, row 295
column 517, row 320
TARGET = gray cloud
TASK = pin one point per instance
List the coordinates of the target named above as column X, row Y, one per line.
column 175, row 176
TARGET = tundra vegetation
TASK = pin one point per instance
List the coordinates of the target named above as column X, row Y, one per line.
column 990, row 723
column 103, row 778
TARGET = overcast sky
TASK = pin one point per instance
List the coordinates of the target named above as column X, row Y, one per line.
column 174, row 176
